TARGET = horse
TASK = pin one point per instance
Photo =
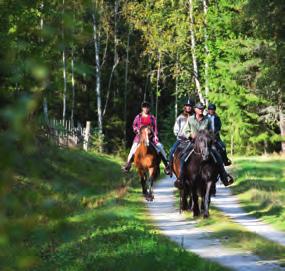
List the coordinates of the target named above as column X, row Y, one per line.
column 185, row 203
column 147, row 160
column 203, row 172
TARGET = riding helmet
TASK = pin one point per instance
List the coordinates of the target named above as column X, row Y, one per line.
column 200, row 106
column 189, row 102
column 211, row 107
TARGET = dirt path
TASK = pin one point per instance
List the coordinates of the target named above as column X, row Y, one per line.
column 229, row 204
column 184, row 232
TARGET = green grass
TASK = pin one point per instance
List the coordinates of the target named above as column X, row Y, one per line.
column 236, row 236
column 70, row 210
column 260, row 186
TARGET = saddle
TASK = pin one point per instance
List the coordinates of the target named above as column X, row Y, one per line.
column 182, row 148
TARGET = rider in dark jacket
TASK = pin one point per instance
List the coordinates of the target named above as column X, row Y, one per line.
column 216, row 126
column 194, row 124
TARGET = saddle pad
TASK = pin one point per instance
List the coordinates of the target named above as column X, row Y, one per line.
column 182, row 147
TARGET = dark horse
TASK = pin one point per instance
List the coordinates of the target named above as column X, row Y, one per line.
column 147, row 162
column 203, row 172
column 200, row 174
column 185, row 192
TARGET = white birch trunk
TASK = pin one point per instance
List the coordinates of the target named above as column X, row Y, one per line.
column 207, row 52
column 126, row 85
column 282, row 121
column 116, row 57
column 176, row 98
column 73, row 88
column 157, row 85
column 45, row 109
column 96, row 38
column 193, row 52
column 45, row 103
column 64, row 68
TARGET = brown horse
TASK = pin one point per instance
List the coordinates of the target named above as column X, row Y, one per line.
column 185, row 193
column 147, row 161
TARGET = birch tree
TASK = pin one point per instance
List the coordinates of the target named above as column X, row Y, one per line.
column 206, row 48
column 96, row 39
column 193, row 52
column 63, row 64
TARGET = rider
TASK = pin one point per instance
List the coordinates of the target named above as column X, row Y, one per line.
column 188, row 110
column 216, row 125
column 195, row 123
column 143, row 119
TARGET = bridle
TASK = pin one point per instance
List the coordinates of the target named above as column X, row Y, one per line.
column 201, row 152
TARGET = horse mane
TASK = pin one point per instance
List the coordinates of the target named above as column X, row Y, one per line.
column 204, row 134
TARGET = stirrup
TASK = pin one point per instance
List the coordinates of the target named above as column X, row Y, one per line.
column 228, row 181
column 178, row 183
column 167, row 170
column 126, row 168
column 228, row 162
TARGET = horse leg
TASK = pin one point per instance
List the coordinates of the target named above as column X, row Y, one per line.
column 184, row 192
column 143, row 182
column 196, row 209
column 207, row 199
column 150, row 181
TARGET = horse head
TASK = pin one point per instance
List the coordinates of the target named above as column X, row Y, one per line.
column 203, row 144
column 145, row 135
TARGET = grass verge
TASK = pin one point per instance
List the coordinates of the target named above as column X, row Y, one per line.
column 70, row 210
column 260, row 187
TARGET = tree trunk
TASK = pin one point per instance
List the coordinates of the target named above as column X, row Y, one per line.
column 96, row 38
column 207, row 53
column 45, row 103
column 157, row 84
column 45, row 109
column 116, row 57
column 126, row 86
column 281, row 122
column 73, row 88
column 193, row 48
column 64, row 67
column 176, row 98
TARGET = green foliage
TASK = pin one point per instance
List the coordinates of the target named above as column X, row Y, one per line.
column 245, row 39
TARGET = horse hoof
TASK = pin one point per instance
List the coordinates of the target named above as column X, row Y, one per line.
column 206, row 216
column 196, row 214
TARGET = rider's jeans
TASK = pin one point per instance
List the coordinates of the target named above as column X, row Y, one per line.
column 173, row 148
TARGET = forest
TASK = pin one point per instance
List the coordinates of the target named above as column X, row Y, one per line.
column 95, row 60
column 69, row 63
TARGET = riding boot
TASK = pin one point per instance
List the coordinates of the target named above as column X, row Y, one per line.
column 126, row 168
column 224, row 176
column 223, row 152
column 227, row 161
column 167, row 169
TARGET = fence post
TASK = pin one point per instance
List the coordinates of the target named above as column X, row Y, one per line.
column 86, row 135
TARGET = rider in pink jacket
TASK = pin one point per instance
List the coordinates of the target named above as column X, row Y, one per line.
column 144, row 119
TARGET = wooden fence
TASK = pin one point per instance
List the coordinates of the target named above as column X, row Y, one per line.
column 65, row 134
